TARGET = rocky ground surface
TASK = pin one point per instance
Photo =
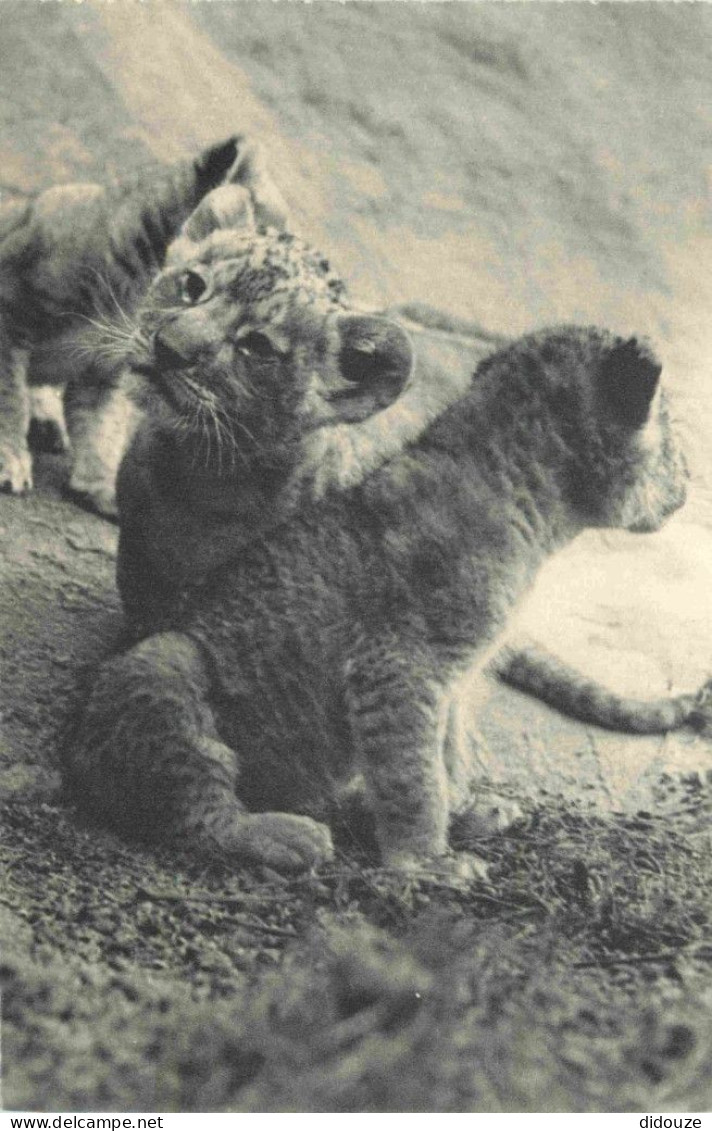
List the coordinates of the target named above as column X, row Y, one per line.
column 518, row 165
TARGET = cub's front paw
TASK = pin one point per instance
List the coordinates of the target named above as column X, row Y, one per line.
column 284, row 842
column 97, row 496
column 15, row 467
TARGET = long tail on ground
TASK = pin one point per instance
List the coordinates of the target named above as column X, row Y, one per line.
column 536, row 671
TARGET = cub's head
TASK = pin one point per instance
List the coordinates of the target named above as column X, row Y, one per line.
column 244, row 343
column 618, row 460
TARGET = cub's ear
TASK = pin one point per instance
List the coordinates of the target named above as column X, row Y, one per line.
column 216, row 164
column 238, row 160
column 375, row 361
column 250, row 171
column 244, row 198
column 228, row 206
column 629, row 378
column 20, row 242
column 14, row 216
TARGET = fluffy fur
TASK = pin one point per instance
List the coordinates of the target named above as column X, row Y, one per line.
column 76, row 254
column 332, row 646
column 187, row 510
column 190, row 503
column 241, row 355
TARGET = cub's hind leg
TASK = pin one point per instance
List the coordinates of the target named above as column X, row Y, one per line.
column 146, row 757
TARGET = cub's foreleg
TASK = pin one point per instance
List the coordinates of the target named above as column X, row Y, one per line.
column 48, row 428
column 147, row 595
column 15, row 458
column 101, row 423
column 147, row 758
column 395, row 700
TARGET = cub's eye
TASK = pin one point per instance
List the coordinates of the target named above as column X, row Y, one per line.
column 192, row 287
column 256, row 345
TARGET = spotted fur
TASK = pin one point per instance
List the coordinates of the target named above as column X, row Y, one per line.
column 73, row 255
column 334, row 644
column 244, row 352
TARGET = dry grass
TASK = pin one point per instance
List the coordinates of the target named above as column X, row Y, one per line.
column 573, row 981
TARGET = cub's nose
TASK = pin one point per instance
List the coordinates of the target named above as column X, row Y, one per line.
column 167, row 353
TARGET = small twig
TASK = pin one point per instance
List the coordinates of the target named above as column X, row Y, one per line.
column 635, row 959
column 201, row 897
column 531, row 903
column 265, row 928
column 85, row 548
column 208, row 897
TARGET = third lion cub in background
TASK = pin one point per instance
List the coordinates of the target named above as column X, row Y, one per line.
column 332, row 646
column 76, row 254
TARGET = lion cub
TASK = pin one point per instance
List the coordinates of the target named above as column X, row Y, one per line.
column 186, row 509
column 189, row 502
column 79, row 253
column 332, row 646
column 243, row 352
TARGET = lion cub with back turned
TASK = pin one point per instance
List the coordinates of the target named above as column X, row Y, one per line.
column 191, row 500
column 332, row 646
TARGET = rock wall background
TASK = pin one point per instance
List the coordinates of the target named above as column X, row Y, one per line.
column 518, row 164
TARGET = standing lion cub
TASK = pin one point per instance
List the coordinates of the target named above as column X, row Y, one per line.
column 76, row 254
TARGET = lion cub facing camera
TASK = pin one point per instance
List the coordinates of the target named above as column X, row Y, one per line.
column 71, row 258
column 330, row 648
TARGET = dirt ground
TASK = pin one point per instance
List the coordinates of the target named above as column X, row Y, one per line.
column 519, row 165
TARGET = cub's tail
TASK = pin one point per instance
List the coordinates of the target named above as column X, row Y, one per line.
column 534, row 670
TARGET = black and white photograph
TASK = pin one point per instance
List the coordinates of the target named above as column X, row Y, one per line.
column 356, row 558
